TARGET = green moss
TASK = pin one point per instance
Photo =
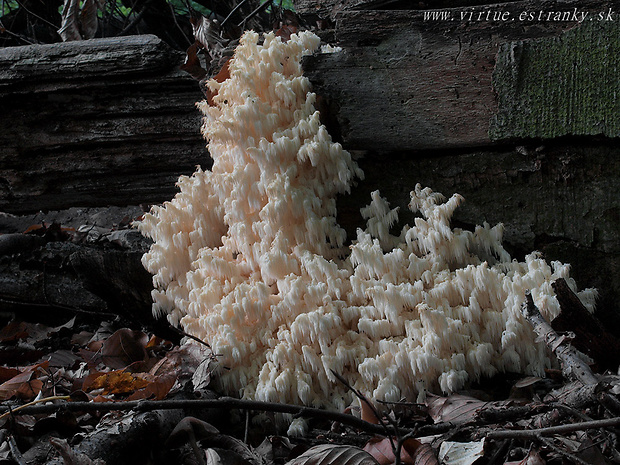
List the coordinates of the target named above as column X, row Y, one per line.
column 559, row 86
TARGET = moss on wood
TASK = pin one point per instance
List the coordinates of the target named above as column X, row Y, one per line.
column 556, row 86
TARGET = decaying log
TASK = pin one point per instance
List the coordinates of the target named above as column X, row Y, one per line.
column 406, row 80
column 76, row 261
column 95, row 122
column 112, row 121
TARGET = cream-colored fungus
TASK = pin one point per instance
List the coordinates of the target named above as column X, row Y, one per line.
column 249, row 258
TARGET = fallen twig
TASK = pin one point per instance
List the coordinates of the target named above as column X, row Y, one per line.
column 226, row 403
column 34, row 402
column 561, row 451
column 551, row 430
column 573, row 366
column 15, row 453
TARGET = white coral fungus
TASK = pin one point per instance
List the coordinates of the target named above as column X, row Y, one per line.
column 249, row 258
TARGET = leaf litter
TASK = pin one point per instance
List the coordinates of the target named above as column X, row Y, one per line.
column 507, row 420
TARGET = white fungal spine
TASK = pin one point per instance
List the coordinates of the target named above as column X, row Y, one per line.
column 249, row 257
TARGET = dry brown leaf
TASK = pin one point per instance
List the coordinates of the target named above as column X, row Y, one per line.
column 454, row 408
column 192, row 64
column 328, row 454
column 88, row 18
column 24, row 385
column 156, row 389
column 78, row 24
column 459, row 409
column 425, row 455
column 69, row 29
column 285, row 32
column 62, row 358
column 527, row 381
column 8, row 373
column 219, row 77
column 368, row 412
column 381, row 449
column 206, row 32
column 584, row 448
column 13, row 331
column 124, row 347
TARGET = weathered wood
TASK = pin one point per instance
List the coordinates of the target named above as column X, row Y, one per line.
column 591, row 336
column 97, row 122
column 559, row 86
column 573, row 366
column 406, row 81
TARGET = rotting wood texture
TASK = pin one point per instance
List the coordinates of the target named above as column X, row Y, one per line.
column 96, row 122
column 406, row 81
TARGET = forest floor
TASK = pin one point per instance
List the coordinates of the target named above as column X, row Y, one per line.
column 88, row 385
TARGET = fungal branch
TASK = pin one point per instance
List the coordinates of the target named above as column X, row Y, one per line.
column 249, row 258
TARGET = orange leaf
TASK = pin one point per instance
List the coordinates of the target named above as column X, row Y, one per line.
column 219, row 77
column 118, row 382
column 158, row 389
column 192, row 64
column 368, row 413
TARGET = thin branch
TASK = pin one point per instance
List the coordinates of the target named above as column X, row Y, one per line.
column 255, row 12
column 17, row 455
column 18, row 36
column 561, row 451
column 232, row 12
column 34, row 402
column 134, row 22
column 184, row 334
column 176, row 23
column 573, row 367
column 551, row 430
column 395, row 447
column 225, row 403
column 55, row 26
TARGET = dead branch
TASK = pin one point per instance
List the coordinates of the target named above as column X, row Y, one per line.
column 227, row 403
column 573, row 366
column 533, row 434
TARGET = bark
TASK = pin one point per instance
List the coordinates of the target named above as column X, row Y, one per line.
column 95, row 122
column 406, row 82
column 112, row 122
column 573, row 366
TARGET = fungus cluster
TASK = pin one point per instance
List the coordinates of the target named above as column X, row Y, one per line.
column 249, row 258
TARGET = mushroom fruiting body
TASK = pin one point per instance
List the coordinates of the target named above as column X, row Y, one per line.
column 249, row 258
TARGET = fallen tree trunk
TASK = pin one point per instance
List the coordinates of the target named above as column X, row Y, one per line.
column 471, row 76
column 95, row 122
